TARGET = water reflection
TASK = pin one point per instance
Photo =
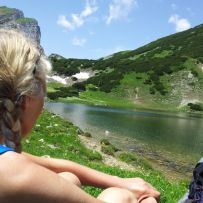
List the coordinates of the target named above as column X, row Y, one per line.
column 178, row 133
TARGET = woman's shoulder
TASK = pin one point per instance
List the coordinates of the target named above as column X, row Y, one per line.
column 14, row 171
column 22, row 178
column 11, row 162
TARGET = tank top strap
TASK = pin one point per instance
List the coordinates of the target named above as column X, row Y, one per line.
column 4, row 149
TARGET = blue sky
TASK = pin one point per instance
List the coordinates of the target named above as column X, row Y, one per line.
column 97, row 28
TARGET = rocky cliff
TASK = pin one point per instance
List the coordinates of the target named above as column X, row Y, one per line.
column 14, row 18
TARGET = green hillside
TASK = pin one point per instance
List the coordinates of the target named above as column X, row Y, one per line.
column 165, row 74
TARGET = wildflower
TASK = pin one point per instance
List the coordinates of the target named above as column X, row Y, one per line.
column 41, row 140
column 52, row 146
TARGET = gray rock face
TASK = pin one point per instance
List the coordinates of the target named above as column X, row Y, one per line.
column 14, row 19
column 8, row 17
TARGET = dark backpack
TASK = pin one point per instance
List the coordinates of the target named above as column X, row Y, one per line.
column 195, row 194
column 196, row 186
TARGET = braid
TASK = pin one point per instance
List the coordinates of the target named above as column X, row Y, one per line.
column 10, row 124
column 23, row 70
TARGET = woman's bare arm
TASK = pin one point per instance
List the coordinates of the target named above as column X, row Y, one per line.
column 95, row 178
column 86, row 175
column 29, row 182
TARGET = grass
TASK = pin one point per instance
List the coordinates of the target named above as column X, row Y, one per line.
column 5, row 11
column 52, row 86
column 25, row 20
column 108, row 148
column 105, row 99
column 124, row 96
column 163, row 54
column 134, row 160
column 92, row 97
column 58, row 138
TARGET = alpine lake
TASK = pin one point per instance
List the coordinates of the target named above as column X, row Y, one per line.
column 172, row 142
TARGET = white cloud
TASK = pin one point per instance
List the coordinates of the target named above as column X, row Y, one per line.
column 181, row 24
column 88, row 10
column 79, row 41
column 64, row 22
column 120, row 9
column 77, row 20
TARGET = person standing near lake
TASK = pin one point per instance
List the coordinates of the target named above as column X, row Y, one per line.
column 28, row 178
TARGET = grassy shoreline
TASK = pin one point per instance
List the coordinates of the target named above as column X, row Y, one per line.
column 58, row 138
column 125, row 106
column 98, row 98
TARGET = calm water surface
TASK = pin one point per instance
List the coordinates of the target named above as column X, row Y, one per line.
column 178, row 134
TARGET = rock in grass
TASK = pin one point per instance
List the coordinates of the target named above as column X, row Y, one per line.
column 86, row 134
column 79, row 131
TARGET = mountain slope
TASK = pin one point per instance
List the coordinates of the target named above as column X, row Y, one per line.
column 164, row 74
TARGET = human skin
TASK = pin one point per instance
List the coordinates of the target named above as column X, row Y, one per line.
column 36, row 179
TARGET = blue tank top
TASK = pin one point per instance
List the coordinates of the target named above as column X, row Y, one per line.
column 4, row 149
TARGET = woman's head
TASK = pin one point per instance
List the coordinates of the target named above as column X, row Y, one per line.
column 22, row 80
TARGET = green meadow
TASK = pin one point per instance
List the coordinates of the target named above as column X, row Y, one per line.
column 58, row 138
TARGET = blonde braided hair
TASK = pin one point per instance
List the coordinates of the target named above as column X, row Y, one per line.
column 23, row 71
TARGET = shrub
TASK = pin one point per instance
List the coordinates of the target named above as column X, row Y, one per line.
column 147, row 82
column 91, row 87
column 80, row 86
column 195, row 73
column 138, row 77
column 195, row 107
column 151, row 90
column 53, row 95
column 63, row 92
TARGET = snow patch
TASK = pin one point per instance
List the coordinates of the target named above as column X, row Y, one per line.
column 58, row 79
column 67, row 80
column 82, row 75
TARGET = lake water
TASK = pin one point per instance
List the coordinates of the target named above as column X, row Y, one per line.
column 161, row 137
